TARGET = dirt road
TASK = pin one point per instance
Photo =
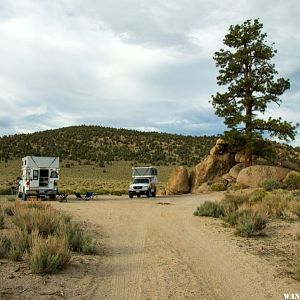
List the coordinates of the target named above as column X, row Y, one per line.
column 157, row 249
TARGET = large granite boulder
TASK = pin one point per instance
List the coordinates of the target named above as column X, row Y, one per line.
column 253, row 176
column 178, row 182
column 213, row 167
column 236, row 169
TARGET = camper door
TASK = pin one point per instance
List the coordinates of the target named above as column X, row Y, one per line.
column 34, row 178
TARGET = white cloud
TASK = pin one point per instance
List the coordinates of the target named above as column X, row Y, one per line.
column 134, row 63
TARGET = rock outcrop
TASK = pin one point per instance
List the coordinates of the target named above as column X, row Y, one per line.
column 236, row 169
column 253, row 176
column 178, row 182
column 213, row 167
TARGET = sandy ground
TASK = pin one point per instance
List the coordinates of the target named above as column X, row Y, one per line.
column 157, row 249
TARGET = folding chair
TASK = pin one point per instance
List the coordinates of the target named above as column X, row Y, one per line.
column 78, row 196
column 88, row 195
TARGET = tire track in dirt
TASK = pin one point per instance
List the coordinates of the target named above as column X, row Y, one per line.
column 164, row 252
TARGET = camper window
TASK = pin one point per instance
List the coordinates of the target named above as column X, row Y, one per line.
column 53, row 174
column 35, row 174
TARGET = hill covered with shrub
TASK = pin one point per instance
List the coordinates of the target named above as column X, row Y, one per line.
column 103, row 144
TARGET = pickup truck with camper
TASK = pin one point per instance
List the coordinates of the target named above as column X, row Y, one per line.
column 144, row 182
column 39, row 177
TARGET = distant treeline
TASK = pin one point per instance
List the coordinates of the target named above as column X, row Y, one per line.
column 103, row 144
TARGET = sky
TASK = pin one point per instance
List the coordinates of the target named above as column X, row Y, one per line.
column 136, row 64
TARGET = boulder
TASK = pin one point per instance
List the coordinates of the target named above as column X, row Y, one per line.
column 214, row 166
column 221, row 147
column 240, row 157
column 236, row 169
column 204, row 188
column 253, row 176
column 178, row 182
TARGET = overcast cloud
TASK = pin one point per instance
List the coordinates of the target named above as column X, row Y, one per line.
column 133, row 63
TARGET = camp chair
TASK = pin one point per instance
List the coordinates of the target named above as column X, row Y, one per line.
column 88, row 195
column 78, row 196
column 62, row 197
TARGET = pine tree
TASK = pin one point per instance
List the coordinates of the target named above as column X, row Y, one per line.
column 245, row 68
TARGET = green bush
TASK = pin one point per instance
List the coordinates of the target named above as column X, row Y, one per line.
column 20, row 243
column 48, row 255
column 231, row 217
column 78, row 240
column 257, row 196
column 210, row 209
column 271, row 184
column 218, row 186
column 232, row 202
column 250, row 223
column 292, row 181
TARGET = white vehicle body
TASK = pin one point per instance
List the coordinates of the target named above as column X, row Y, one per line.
column 39, row 177
column 144, row 182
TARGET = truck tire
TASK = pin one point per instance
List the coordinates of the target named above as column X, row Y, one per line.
column 52, row 196
column 130, row 195
column 149, row 194
column 138, row 195
column 154, row 193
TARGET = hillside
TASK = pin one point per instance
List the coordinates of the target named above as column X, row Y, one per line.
column 103, row 144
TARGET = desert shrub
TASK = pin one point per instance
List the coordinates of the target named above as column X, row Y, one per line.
column 250, row 223
column 292, row 181
column 231, row 202
column 294, row 207
column 116, row 193
column 11, row 198
column 271, row 184
column 48, row 255
column 210, row 209
column 5, row 190
column 257, row 196
column 1, row 220
column 277, row 203
column 20, row 243
column 297, row 265
column 46, row 220
column 218, row 186
column 236, row 187
column 231, row 217
column 4, row 246
column 8, row 210
column 102, row 192
column 78, row 240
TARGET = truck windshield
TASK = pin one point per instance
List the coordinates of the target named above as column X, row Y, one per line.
column 141, row 180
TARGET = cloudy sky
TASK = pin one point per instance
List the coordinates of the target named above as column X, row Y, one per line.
column 130, row 63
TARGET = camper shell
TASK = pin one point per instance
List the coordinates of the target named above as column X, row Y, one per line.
column 39, row 177
column 144, row 182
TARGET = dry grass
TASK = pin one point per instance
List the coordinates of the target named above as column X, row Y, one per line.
column 41, row 236
column 114, row 178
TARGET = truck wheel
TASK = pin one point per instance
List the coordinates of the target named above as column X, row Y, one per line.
column 130, row 195
column 52, row 196
column 138, row 195
column 154, row 193
column 149, row 194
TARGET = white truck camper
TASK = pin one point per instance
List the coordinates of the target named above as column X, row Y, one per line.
column 39, row 177
column 144, row 182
